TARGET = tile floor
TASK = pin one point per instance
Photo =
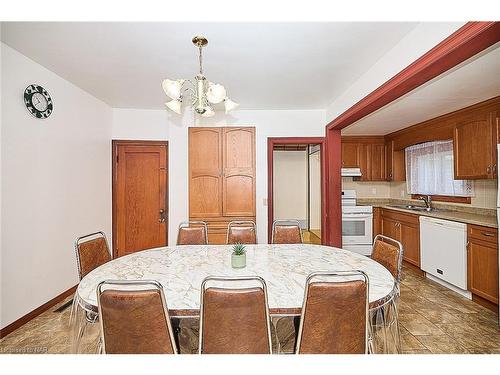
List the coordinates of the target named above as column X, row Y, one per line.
column 433, row 320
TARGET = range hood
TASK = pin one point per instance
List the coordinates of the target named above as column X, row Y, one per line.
column 350, row 172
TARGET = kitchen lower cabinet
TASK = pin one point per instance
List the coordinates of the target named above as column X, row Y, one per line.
column 405, row 229
column 377, row 221
column 482, row 262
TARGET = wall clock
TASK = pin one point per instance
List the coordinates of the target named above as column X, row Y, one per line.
column 38, row 101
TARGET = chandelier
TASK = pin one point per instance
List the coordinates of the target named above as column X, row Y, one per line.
column 203, row 94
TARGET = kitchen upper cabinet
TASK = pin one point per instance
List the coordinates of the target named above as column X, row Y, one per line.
column 395, row 163
column 405, row 229
column 367, row 154
column 377, row 162
column 350, row 155
column 482, row 262
column 475, row 146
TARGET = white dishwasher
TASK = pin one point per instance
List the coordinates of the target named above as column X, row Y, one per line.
column 443, row 251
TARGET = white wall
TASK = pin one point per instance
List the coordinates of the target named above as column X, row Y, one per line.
column 56, row 184
column 290, row 185
column 129, row 123
column 416, row 43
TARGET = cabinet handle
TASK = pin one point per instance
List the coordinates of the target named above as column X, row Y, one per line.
column 487, row 234
column 488, row 170
column 494, row 168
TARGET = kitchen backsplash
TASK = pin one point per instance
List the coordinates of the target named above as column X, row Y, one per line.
column 485, row 191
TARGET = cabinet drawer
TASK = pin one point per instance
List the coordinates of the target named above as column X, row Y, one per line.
column 483, row 233
column 400, row 216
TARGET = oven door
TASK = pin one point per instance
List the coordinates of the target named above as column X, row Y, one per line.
column 357, row 228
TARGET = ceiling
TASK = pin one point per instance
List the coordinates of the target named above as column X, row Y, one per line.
column 473, row 81
column 262, row 65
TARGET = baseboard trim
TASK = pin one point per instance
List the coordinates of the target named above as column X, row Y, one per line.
column 33, row 314
column 485, row 303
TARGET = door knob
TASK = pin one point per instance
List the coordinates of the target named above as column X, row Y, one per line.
column 162, row 216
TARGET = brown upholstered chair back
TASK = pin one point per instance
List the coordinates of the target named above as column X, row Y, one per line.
column 134, row 321
column 241, row 232
column 389, row 253
column 235, row 320
column 192, row 233
column 334, row 315
column 286, row 232
column 91, row 251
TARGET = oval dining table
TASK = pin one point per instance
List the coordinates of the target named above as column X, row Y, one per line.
column 181, row 270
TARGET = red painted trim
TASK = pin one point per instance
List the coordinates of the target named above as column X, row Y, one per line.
column 466, row 42
column 324, row 196
column 334, row 187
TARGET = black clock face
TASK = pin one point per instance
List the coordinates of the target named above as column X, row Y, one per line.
column 38, row 101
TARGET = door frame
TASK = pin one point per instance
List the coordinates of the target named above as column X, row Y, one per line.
column 114, row 154
column 271, row 141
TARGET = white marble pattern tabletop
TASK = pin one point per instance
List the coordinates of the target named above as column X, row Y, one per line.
column 181, row 269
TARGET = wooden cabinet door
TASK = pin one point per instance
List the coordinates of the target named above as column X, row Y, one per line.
column 410, row 239
column 395, row 163
column 205, row 172
column 390, row 228
column 482, row 269
column 377, row 162
column 474, row 147
column 350, row 155
column 140, row 196
column 239, row 171
column 364, row 162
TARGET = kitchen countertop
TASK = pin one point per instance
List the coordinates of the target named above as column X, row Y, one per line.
column 469, row 215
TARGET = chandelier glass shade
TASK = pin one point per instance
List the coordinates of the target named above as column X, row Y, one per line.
column 202, row 94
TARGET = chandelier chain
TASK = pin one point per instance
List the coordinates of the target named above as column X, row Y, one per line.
column 201, row 67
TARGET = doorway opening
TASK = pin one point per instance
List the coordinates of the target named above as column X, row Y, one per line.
column 296, row 185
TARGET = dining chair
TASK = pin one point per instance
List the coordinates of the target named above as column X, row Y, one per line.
column 334, row 318
column 234, row 318
column 134, row 318
column 286, row 232
column 192, row 233
column 92, row 250
column 389, row 253
column 243, row 232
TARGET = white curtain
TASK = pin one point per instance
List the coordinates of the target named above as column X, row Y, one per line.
column 429, row 170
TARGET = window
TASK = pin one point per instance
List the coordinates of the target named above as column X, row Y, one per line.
column 429, row 171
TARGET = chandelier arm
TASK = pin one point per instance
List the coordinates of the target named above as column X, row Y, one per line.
column 201, row 59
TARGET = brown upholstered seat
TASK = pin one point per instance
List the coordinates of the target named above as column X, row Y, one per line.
column 334, row 317
column 192, row 233
column 389, row 253
column 134, row 321
column 241, row 232
column 286, row 232
column 235, row 321
column 91, row 251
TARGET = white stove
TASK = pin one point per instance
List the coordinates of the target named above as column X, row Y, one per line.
column 357, row 224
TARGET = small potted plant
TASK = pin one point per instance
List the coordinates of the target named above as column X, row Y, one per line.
column 238, row 257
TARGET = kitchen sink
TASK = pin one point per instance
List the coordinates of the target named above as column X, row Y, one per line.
column 413, row 208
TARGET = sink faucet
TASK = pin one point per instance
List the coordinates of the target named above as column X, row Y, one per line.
column 427, row 200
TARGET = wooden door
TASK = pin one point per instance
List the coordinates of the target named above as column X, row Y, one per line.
column 350, row 155
column 474, row 147
column 205, row 172
column 239, row 171
column 410, row 239
column 139, row 196
column 364, row 162
column 377, row 221
column 377, row 162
